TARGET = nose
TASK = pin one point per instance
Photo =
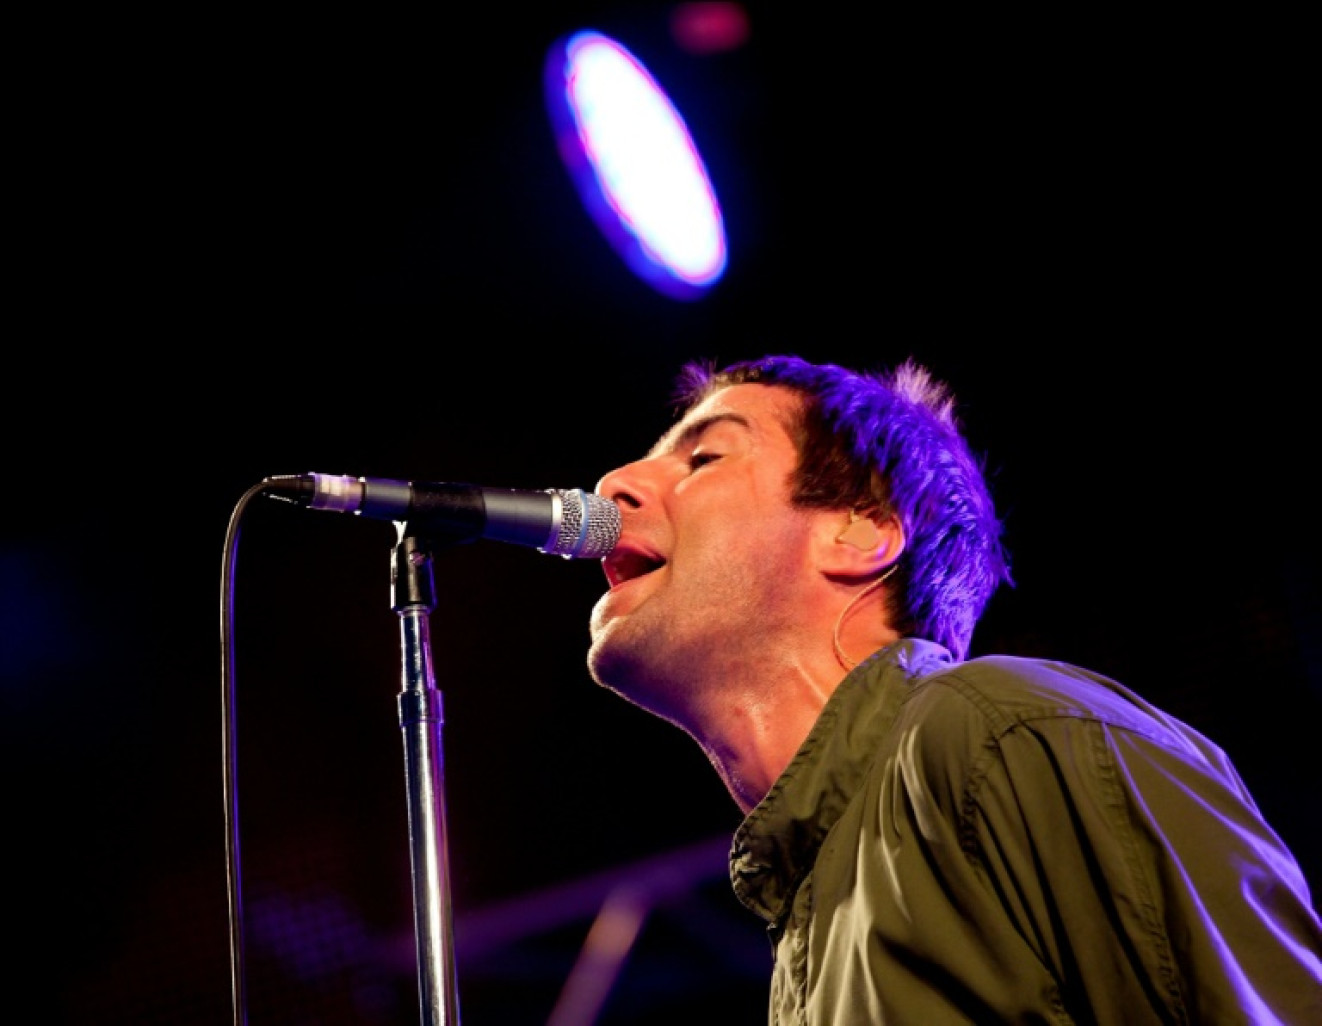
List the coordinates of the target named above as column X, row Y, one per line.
column 626, row 485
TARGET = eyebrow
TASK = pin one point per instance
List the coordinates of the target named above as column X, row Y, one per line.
column 682, row 437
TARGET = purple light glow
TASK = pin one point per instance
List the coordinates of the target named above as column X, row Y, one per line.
column 635, row 165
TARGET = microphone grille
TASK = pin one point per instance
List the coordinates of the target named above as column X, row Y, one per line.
column 589, row 525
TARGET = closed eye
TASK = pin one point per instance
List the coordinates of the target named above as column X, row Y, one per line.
column 699, row 460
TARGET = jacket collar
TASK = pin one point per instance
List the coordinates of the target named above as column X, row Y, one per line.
column 776, row 845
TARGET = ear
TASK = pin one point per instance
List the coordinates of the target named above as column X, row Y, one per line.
column 861, row 546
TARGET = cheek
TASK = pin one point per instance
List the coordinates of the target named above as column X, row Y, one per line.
column 724, row 534
column 744, row 558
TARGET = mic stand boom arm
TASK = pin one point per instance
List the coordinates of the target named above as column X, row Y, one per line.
column 421, row 717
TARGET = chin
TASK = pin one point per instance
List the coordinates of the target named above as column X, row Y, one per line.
column 600, row 658
column 613, row 662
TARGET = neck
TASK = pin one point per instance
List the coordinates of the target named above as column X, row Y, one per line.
column 752, row 731
column 756, row 722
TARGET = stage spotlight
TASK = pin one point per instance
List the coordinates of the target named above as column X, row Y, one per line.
column 634, row 164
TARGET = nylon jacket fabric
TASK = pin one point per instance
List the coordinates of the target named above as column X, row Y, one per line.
column 1007, row 840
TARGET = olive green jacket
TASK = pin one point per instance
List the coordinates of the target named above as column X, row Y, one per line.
column 1009, row 840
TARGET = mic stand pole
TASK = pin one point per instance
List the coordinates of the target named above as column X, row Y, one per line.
column 413, row 597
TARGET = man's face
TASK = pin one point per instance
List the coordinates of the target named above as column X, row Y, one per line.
column 708, row 569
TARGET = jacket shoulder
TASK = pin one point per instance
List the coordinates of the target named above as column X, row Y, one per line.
column 1007, row 692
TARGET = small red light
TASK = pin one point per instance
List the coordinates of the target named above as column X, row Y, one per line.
column 704, row 28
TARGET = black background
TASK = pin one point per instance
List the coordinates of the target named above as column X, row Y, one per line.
column 247, row 246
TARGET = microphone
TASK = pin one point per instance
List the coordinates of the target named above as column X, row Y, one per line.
column 570, row 523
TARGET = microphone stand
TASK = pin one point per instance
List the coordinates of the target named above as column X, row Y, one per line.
column 421, row 716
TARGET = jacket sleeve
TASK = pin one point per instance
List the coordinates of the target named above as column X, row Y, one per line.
column 1140, row 867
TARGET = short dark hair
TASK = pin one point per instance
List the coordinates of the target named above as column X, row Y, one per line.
column 889, row 442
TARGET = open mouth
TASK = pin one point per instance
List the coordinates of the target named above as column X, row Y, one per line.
column 625, row 564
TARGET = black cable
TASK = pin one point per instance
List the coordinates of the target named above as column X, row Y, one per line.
column 238, row 980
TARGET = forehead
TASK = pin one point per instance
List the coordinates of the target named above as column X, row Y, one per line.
column 765, row 412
